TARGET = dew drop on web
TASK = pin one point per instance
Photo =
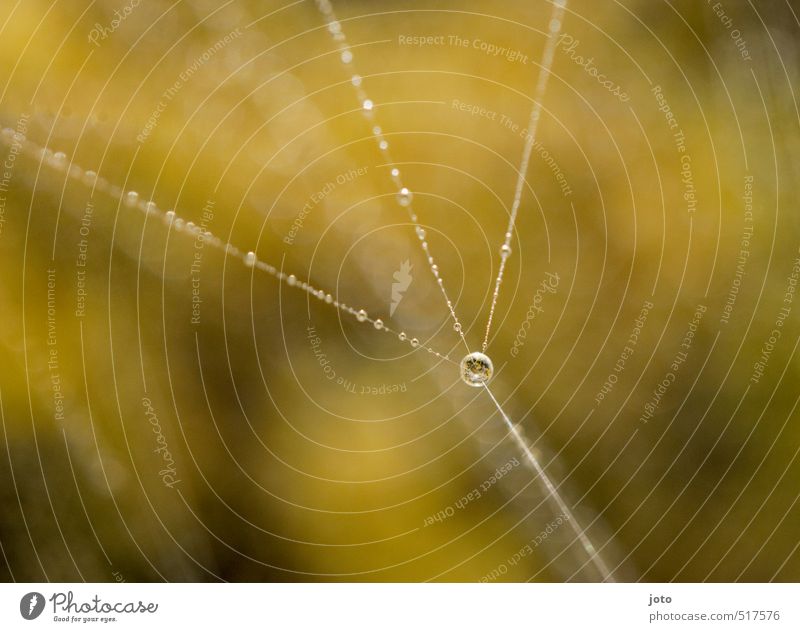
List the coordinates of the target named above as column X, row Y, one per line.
column 476, row 368
column 404, row 197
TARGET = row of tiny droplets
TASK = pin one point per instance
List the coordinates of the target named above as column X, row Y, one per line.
column 404, row 195
column 59, row 161
column 554, row 28
column 404, row 199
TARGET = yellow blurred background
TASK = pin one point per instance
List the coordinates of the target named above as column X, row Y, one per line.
column 149, row 437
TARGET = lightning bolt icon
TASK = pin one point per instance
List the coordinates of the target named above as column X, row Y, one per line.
column 34, row 601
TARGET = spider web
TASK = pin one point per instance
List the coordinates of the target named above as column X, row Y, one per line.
column 341, row 442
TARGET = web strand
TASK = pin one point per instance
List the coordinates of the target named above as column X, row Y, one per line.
column 58, row 161
column 404, row 199
column 552, row 492
column 554, row 28
column 130, row 199
column 404, row 194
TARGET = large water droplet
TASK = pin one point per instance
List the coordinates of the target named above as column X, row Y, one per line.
column 476, row 368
